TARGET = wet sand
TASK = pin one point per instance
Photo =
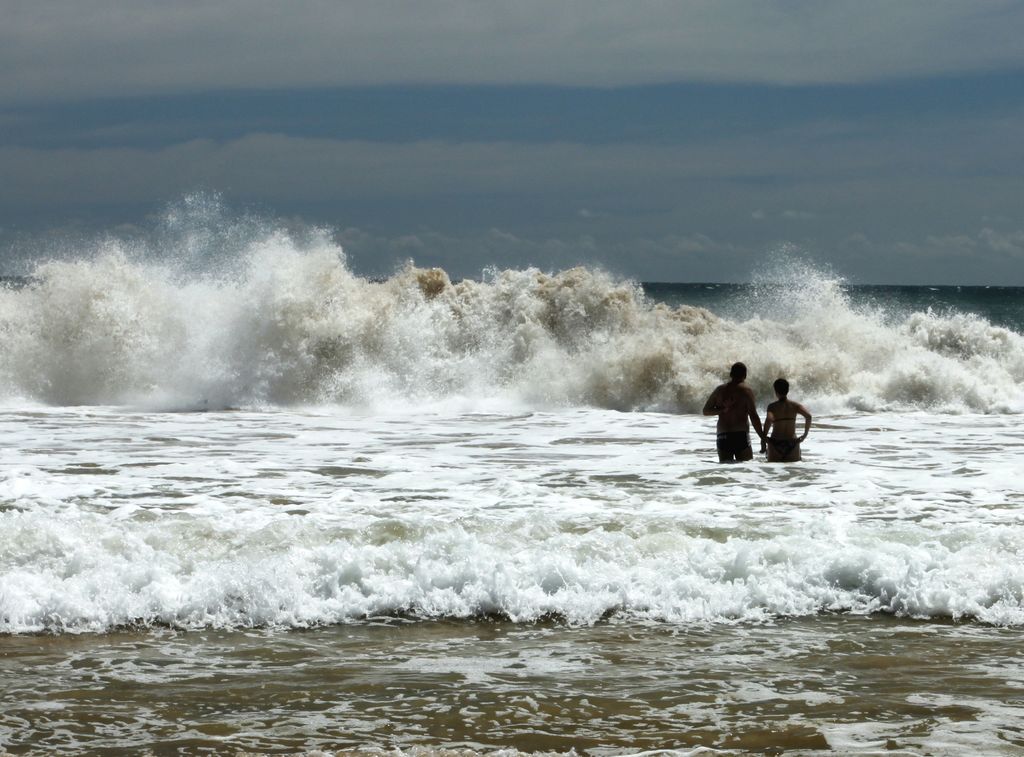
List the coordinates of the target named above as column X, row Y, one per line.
column 841, row 682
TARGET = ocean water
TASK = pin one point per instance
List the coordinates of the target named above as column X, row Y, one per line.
column 273, row 506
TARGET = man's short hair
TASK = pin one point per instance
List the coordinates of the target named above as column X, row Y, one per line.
column 781, row 387
column 738, row 371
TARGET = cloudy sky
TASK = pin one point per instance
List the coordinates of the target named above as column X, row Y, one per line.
column 666, row 141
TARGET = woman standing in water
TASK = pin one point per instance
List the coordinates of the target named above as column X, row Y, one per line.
column 780, row 439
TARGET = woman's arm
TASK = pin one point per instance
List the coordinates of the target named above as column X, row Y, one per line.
column 807, row 419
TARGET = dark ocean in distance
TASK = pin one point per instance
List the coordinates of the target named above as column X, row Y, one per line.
column 1001, row 306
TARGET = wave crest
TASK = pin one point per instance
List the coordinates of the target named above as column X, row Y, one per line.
column 292, row 324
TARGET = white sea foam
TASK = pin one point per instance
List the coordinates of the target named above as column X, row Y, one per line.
column 287, row 323
column 436, row 449
column 99, row 577
column 276, row 518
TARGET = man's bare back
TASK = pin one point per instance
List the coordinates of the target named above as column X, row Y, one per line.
column 732, row 403
column 736, row 409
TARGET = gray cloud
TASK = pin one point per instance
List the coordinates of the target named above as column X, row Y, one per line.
column 269, row 167
column 70, row 49
column 1007, row 243
column 906, row 203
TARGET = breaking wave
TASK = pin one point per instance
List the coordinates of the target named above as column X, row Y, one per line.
column 287, row 322
column 107, row 576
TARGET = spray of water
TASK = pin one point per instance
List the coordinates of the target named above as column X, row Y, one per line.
column 213, row 311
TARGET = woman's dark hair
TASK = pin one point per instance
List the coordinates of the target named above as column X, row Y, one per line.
column 781, row 387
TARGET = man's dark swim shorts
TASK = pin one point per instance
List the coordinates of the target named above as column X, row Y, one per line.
column 733, row 443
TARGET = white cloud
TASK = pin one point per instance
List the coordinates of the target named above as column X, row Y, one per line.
column 1008, row 243
column 986, row 243
column 79, row 48
column 980, row 257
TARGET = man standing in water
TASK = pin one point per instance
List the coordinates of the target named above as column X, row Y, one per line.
column 783, row 446
column 733, row 403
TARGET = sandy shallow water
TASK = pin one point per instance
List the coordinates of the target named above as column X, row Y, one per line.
column 846, row 683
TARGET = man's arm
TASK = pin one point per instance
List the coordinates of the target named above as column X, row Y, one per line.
column 807, row 419
column 711, row 407
column 752, row 414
